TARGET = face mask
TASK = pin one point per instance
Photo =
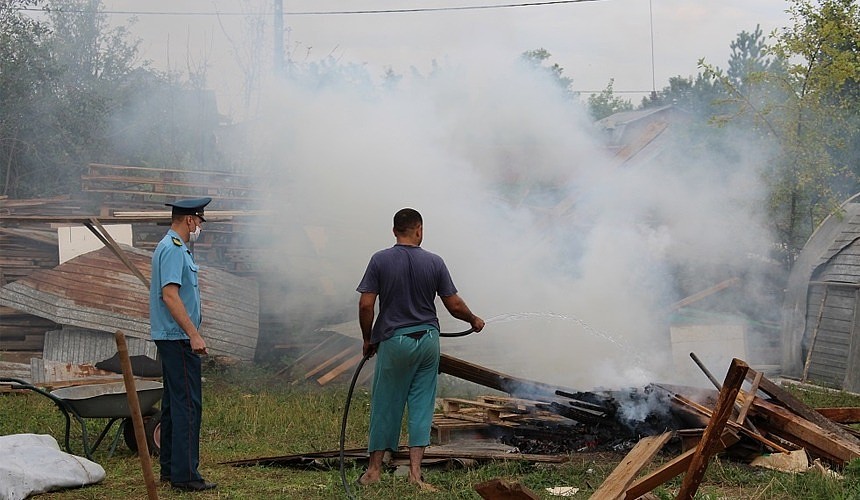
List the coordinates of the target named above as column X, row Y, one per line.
column 195, row 235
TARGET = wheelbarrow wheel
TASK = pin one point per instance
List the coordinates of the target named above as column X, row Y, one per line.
column 152, row 430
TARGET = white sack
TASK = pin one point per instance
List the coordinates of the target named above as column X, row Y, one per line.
column 34, row 463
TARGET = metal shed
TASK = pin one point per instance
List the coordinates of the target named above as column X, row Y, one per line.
column 96, row 291
column 821, row 316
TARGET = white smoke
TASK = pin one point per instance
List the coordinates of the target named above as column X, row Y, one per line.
column 519, row 196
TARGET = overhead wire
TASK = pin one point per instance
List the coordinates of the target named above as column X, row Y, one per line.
column 321, row 12
column 356, row 12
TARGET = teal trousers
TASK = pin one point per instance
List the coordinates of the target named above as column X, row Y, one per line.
column 405, row 376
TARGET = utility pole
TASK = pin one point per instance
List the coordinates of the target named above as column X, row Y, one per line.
column 279, row 38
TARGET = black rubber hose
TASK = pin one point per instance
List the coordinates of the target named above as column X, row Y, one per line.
column 343, row 425
column 349, row 402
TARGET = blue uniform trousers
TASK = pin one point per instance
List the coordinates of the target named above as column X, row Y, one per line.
column 181, row 411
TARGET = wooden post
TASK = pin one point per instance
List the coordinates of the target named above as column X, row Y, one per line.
column 742, row 421
column 710, row 439
column 136, row 417
column 808, row 361
column 101, row 233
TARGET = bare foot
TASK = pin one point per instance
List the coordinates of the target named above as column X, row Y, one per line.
column 422, row 485
column 368, row 478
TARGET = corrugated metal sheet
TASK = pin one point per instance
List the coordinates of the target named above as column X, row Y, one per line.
column 96, row 291
column 81, row 345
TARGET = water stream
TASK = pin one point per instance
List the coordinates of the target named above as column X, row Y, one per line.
column 522, row 316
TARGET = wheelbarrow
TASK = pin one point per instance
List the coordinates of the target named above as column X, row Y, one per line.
column 108, row 401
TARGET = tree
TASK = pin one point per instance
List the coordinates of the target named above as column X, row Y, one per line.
column 606, row 103
column 536, row 59
column 696, row 96
column 750, row 58
column 804, row 104
column 27, row 73
column 72, row 91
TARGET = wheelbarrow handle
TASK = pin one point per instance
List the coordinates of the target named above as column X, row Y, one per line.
column 62, row 405
column 26, row 385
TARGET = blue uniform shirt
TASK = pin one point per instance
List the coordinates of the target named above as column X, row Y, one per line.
column 172, row 262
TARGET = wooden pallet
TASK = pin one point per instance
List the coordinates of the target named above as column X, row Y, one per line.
column 444, row 429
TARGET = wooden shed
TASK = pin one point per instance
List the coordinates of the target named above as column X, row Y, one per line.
column 821, row 316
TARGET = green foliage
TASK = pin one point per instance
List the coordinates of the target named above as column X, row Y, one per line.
column 536, row 59
column 607, row 103
column 26, row 93
column 72, row 92
column 696, row 96
column 798, row 99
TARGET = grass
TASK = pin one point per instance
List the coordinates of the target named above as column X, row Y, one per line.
column 250, row 413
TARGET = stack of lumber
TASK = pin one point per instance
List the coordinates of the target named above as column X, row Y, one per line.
column 22, row 332
column 488, row 413
column 122, row 186
column 26, row 249
column 128, row 188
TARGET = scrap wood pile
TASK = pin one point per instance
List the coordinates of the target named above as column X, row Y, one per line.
column 567, row 423
column 764, row 417
column 760, row 420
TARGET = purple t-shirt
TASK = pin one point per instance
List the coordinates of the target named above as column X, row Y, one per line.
column 407, row 280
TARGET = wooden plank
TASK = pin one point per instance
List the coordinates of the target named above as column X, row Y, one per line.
column 786, row 398
column 45, row 371
column 311, row 352
column 493, row 379
column 330, row 361
column 339, row 369
column 101, row 233
column 673, row 468
column 748, row 399
column 502, row 489
column 710, row 439
column 851, row 381
column 21, row 371
column 841, row 415
column 704, row 293
column 806, row 364
column 796, row 428
column 616, row 483
column 734, row 425
column 485, row 412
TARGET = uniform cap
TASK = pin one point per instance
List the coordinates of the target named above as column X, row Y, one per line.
column 192, row 206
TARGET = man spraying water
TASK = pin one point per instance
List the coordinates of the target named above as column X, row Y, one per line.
column 405, row 337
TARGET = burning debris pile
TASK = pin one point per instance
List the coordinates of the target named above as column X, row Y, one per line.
column 764, row 419
column 567, row 423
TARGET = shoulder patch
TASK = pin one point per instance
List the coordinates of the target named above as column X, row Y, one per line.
column 176, row 241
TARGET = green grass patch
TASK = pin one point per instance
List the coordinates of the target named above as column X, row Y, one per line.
column 251, row 413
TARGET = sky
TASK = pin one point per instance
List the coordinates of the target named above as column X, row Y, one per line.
column 593, row 41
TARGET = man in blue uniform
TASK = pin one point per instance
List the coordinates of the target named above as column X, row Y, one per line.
column 405, row 337
column 174, row 318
